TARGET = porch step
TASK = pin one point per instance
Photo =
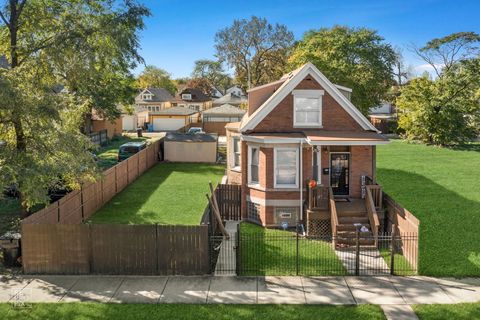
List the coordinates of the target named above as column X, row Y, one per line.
column 353, row 220
column 352, row 234
column 352, row 213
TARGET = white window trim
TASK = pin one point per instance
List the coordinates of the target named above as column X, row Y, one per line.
column 232, row 154
column 312, row 94
column 285, row 186
column 250, row 182
column 319, row 164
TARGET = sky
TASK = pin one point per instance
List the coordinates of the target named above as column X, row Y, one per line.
column 180, row 32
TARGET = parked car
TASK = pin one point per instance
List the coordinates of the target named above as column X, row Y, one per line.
column 128, row 149
column 195, row 130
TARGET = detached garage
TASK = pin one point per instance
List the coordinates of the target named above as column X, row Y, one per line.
column 180, row 147
column 215, row 119
column 129, row 122
column 172, row 119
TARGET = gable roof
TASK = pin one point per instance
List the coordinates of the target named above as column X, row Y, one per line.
column 291, row 80
column 159, row 95
column 174, row 111
column 197, row 95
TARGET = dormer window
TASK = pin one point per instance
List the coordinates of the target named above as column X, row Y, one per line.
column 186, row 96
column 147, row 96
column 307, row 108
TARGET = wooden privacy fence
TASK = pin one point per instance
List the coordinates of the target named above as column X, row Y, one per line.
column 406, row 224
column 79, row 205
column 115, row 249
column 229, row 201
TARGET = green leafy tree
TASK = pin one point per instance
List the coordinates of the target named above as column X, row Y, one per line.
column 357, row 58
column 89, row 47
column 445, row 111
column 212, row 71
column 156, row 78
column 255, row 48
column 442, row 54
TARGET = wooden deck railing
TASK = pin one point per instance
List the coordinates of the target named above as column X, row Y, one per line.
column 333, row 216
column 317, row 195
column 372, row 213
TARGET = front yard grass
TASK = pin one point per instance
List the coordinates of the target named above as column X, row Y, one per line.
column 440, row 187
column 273, row 252
column 168, row 193
column 51, row 311
column 461, row 311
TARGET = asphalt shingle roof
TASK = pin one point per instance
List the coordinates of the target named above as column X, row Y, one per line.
column 174, row 111
column 159, row 95
column 225, row 110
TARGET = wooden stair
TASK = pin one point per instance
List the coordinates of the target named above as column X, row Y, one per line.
column 350, row 213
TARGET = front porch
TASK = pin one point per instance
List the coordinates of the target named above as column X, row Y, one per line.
column 341, row 217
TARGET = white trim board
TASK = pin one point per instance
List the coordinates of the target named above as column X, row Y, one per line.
column 289, row 85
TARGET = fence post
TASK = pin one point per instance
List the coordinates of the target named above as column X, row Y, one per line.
column 297, row 255
column 357, row 252
column 392, row 255
column 238, row 266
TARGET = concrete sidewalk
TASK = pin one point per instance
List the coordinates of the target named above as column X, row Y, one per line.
column 241, row 290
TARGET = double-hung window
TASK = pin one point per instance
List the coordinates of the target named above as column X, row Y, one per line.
column 236, row 152
column 307, row 106
column 253, row 160
column 286, row 167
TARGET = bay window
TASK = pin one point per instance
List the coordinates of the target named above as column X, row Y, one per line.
column 286, row 167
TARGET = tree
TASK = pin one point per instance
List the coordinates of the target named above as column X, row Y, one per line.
column 212, row 71
column 356, row 58
column 156, row 78
column 400, row 72
column 443, row 53
column 201, row 84
column 444, row 111
column 254, row 47
column 88, row 46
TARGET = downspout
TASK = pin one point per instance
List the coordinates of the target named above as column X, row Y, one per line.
column 301, row 180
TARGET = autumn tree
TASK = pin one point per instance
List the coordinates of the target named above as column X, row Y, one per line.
column 357, row 58
column 255, row 48
column 202, row 84
column 88, row 47
column 155, row 77
column 214, row 72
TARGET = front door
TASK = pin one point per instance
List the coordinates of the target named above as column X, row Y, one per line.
column 339, row 173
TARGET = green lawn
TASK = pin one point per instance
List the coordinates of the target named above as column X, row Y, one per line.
column 99, row 311
column 107, row 154
column 463, row 311
column 401, row 266
column 273, row 252
column 440, row 187
column 168, row 193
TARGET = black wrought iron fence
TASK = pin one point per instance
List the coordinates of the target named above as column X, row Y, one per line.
column 290, row 253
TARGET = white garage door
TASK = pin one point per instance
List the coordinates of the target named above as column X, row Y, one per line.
column 128, row 123
column 167, row 124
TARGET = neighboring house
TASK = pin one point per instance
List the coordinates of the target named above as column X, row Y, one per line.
column 192, row 98
column 99, row 123
column 4, row 62
column 235, row 90
column 147, row 101
column 173, row 119
column 215, row 119
column 216, row 93
column 231, row 99
column 299, row 128
column 384, row 117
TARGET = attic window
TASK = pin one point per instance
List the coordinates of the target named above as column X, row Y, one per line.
column 147, row 96
column 307, row 108
column 186, row 96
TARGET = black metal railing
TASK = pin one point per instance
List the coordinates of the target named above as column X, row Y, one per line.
column 289, row 253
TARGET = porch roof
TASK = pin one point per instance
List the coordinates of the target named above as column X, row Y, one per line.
column 325, row 137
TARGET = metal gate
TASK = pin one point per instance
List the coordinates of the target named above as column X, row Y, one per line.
column 289, row 253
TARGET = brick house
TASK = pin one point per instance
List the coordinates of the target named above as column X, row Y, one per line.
column 297, row 129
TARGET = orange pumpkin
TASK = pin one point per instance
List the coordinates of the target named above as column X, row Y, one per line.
column 312, row 183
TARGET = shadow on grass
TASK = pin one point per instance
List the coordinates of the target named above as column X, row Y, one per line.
column 449, row 236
